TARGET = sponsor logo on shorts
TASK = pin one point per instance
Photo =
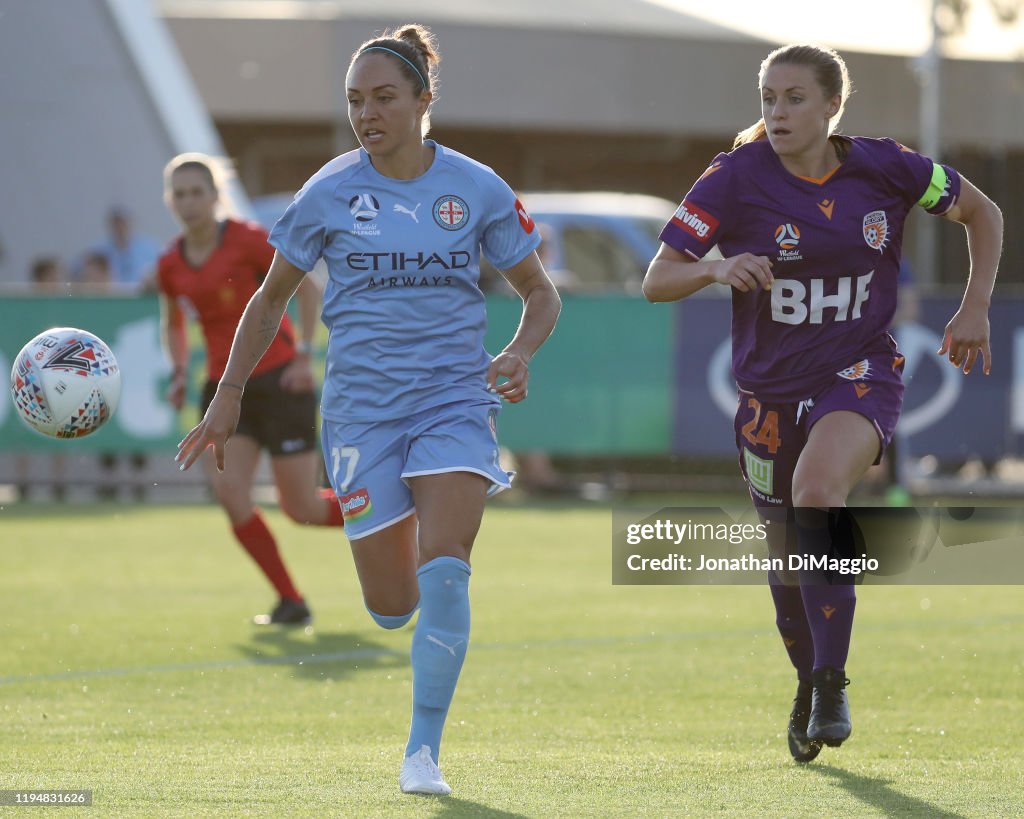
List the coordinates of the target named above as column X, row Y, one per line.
column 695, row 220
column 356, row 505
column 451, row 212
column 292, row 445
column 861, row 389
column 862, row 369
column 876, row 230
column 492, row 423
column 760, row 472
column 828, row 611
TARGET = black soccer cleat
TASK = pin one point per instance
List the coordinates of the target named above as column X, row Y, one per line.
column 802, row 749
column 286, row 613
column 830, row 709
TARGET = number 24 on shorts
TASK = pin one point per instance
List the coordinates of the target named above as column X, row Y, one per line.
column 767, row 433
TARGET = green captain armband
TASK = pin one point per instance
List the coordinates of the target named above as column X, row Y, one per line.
column 936, row 187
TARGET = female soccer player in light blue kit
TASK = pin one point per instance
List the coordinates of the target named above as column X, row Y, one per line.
column 410, row 397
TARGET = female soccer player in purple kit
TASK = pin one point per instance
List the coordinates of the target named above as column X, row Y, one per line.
column 810, row 225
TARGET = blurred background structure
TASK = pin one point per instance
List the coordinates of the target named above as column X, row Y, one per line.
column 626, row 96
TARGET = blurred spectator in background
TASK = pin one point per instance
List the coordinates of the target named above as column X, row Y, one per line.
column 47, row 275
column 132, row 258
column 94, row 274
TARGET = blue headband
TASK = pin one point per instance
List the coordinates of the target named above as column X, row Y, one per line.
column 403, row 59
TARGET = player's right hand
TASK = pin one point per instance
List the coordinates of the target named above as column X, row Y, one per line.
column 218, row 424
column 176, row 390
column 745, row 272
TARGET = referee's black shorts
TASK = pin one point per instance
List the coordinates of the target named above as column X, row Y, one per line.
column 283, row 423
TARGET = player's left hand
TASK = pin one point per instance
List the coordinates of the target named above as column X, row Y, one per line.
column 967, row 334
column 218, row 424
column 513, row 367
column 297, row 376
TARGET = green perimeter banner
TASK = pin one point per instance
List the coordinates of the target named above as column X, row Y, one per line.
column 602, row 384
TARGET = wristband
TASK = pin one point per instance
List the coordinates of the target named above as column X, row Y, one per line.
column 303, row 348
column 229, row 384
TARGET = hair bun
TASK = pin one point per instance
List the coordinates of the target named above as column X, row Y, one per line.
column 422, row 39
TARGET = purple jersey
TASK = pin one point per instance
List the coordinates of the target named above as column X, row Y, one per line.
column 834, row 245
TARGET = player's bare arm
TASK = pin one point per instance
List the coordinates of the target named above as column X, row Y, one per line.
column 172, row 326
column 260, row 323
column 672, row 275
column 967, row 333
column 541, row 306
column 298, row 375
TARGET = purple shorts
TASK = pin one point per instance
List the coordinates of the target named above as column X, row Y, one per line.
column 770, row 436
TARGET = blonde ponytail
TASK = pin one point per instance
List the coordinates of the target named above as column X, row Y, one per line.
column 752, row 134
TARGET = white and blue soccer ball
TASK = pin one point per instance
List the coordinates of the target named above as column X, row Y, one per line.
column 65, row 383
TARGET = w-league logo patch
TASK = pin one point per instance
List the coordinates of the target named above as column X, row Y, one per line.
column 364, row 206
column 787, row 237
column 876, row 230
column 451, row 212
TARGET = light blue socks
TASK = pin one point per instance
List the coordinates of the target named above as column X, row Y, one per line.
column 438, row 648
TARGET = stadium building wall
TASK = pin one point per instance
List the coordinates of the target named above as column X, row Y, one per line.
column 95, row 100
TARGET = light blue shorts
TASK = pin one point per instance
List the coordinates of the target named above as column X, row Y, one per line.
column 369, row 464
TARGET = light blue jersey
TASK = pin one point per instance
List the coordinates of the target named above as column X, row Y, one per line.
column 403, row 302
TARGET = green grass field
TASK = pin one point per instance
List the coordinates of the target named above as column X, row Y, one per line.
column 128, row 665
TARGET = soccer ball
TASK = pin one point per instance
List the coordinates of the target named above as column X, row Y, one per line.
column 65, row 383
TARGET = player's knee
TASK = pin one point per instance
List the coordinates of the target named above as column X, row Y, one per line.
column 818, row 493
column 391, row 621
column 301, row 513
column 238, row 505
column 431, row 549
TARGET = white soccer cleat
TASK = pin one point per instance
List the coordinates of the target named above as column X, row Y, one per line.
column 421, row 775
